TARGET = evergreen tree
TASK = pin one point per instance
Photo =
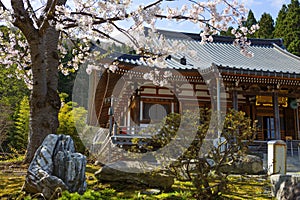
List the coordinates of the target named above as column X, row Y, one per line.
column 280, row 22
column 294, row 47
column 250, row 20
column 228, row 32
column 292, row 36
column 266, row 24
column 288, row 26
column 66, row 83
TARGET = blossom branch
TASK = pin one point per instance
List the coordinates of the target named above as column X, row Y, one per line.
column 100, row 20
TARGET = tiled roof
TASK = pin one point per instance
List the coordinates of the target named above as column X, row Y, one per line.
column 269, row 54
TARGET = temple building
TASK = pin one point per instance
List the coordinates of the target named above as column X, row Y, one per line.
column 266, row 86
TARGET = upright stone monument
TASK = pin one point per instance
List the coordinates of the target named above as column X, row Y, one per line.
column 56, row 166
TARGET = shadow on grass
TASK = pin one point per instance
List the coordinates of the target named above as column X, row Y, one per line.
column 249, row 187
column 241, row 187
column 10, row 185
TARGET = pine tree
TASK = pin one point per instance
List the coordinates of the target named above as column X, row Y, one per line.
column 266, row 24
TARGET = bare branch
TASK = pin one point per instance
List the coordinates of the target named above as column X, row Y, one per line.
column 108, row 36
column 182, row 17
column 48, row 6
column 22, row 20
column 30, row 8
column 130, row 37
column 44, row 23
column 3, row 6
column 152, row 4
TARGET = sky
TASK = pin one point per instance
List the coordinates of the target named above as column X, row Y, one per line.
column 269, row 6
column 257, row 6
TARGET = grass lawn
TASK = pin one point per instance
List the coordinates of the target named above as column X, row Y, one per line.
column 12, row 177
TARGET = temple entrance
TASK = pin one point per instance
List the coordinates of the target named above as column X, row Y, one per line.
column 268, row 128
column 266, row 124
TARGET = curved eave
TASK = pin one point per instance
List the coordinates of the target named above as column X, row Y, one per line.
column 258, row 73
column 226, row 69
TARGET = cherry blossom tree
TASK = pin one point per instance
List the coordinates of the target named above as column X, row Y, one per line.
column 41, row 32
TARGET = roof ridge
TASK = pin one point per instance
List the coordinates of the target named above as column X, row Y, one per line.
column 220, row 38
column 284, row 51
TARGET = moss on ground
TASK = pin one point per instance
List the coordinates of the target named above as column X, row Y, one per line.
column 12, row 177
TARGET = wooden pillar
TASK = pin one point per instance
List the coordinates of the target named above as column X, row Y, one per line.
column 111, row 115
column 138, row 109
column 235, row 100
column 297, row 121
column 141, row 110
column 176, row 96
column 218, row 81
column 276, row 116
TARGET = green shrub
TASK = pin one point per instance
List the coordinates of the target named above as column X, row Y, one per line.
column 72, row 120
column 71, row 117
column 19, row 136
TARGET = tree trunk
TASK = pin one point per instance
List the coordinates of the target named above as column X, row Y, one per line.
column 43, row 41
column 44, row 101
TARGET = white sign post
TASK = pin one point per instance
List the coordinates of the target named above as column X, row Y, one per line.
column 276, row 157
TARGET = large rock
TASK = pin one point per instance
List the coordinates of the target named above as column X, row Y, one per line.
column 113, row 173
column 248, row 164
column 276, row 180
column 285, row 186
column 56, row 166
column 289, row 190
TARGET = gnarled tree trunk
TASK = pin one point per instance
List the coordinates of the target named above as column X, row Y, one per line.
column 44, row 102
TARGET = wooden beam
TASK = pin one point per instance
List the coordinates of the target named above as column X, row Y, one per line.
column 235, row 100
column 276, row 116
column 267, row 93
